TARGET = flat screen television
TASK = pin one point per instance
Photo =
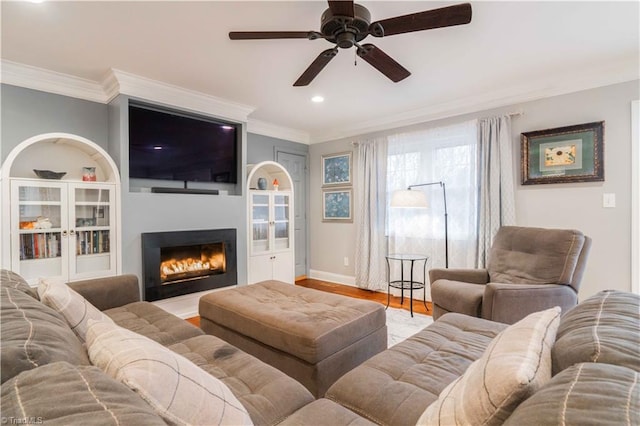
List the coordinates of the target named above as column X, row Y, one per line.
column 169, row 145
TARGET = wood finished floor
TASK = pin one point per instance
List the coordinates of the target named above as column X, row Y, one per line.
column 358, row 293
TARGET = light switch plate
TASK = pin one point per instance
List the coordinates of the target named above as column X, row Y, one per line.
column 609, row 200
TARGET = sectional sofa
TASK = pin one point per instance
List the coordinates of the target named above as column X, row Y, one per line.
column 51, row 376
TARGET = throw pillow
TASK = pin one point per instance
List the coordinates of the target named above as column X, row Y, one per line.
column 515, row 364
column 75, row 309
column 180, row 391
column 63, row 394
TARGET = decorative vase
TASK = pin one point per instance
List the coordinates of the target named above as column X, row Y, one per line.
column 262, row 183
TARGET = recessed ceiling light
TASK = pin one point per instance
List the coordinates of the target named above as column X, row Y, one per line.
column 317, row 99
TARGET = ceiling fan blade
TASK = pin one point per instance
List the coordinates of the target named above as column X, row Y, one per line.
column 437, row 18
column 316, row 66
column 341, row 8
column 383, row 62
column 263, row 35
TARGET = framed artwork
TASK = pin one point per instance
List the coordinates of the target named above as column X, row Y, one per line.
column 336, row 169
column 562, row 155
column 337, row 205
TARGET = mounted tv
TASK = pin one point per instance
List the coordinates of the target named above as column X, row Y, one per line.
column 169, row 145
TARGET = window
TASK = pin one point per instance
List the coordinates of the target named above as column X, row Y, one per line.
column 446, row 154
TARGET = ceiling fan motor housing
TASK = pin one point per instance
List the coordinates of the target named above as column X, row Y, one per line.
column 345, row 31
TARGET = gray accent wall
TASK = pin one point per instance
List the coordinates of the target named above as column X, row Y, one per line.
column 263, row 148
column 27, row 113
column 575, row 205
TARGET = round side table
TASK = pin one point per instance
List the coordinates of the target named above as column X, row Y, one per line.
column 409, row 284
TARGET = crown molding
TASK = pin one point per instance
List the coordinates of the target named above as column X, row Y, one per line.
column 118, row 82
column 608, row 74
column 168, row 94
column 30, row 77
column 268, row 129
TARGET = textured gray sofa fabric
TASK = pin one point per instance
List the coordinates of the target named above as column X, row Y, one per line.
column 605, row 328
column 10, row 279
column 521, row 255
column 33, row 335
column 584, row 394
column 324, row 412
column 397, row 385
column 109, row 292
column 268, row 395
column 529, row 269
column 153, row 322
column 313, row 336
column 63, row 394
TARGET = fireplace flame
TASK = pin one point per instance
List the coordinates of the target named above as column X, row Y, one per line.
column 173, row 267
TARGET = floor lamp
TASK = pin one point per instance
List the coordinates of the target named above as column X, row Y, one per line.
column 417, row 199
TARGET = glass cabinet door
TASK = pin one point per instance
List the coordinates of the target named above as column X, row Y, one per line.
column 260, row 241
column 281, row 213
column 40, row 218
column 90, row 229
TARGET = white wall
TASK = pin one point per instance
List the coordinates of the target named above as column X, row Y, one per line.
column 577, row 205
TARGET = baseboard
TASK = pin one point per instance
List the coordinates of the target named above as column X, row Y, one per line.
column 333, row 278
column 351, row 281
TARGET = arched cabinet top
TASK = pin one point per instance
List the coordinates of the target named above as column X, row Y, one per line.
column 270, row 170
column 59, row 152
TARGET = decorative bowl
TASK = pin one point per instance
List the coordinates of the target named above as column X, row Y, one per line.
column 48, row 174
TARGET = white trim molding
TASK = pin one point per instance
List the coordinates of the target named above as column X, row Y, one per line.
column 635, row 196
column 268, row 129
column 120, row 82
column 29, row 77
column 332, row 278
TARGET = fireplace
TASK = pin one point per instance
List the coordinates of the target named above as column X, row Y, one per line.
column 183, row 262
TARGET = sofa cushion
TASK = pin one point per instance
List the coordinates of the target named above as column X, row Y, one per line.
column 534, row 255
column 153, row 322
column 176, row 388
column 397, row 385
column 34, row 335
column 75, row 309
column 268, row 394
column 325, row 412
column 586, row 393
column 514, row 366
column 63, row 394
column 12, row 280
column 604, row 328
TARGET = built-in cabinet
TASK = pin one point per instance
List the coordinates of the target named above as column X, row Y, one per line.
column 62, row 230
column 270, row 224
column 66, row 228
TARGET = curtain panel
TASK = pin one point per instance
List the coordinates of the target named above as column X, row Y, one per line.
column 496, row 199
column 370, row 214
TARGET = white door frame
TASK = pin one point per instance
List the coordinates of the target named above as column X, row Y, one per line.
column 635, row 197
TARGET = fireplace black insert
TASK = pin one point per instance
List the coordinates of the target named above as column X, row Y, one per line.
column 182, row 262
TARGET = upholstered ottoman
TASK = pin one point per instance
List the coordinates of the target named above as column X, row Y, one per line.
column 312, row 336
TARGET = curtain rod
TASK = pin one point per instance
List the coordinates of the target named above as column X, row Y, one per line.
column 510, row 114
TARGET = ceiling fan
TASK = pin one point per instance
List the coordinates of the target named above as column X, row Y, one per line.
column 345, row 24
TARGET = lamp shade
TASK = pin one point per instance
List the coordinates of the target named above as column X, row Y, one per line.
column 408, row 198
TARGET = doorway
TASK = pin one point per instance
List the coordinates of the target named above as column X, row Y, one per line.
column 296, row 165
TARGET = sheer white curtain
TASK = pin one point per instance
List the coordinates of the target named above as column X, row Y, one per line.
column 370, row 214
column 496, row 204
column 447, row 154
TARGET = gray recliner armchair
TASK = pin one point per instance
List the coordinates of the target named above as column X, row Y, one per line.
column 529, row 269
